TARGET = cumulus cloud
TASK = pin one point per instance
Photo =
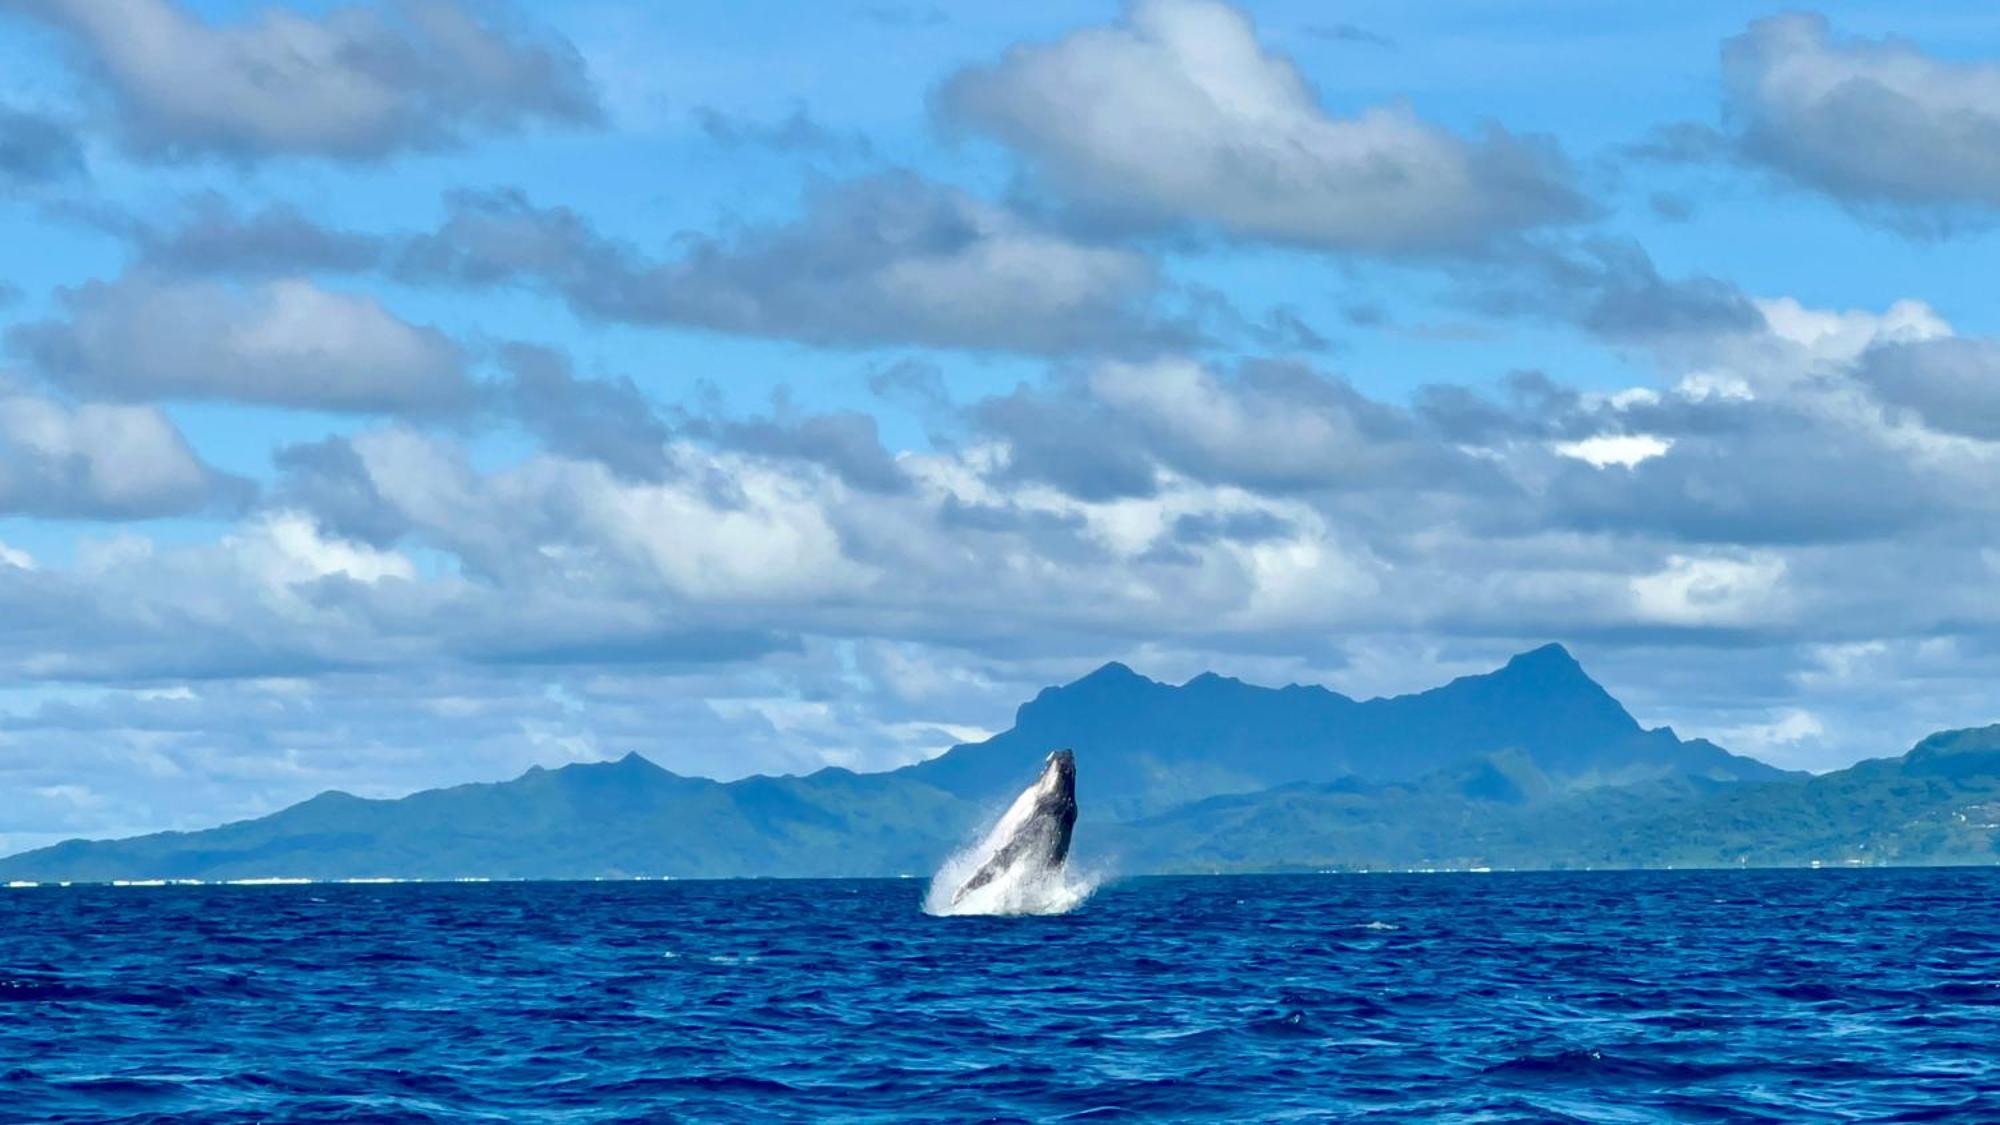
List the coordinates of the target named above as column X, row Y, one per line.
column 1177, row 114
column 1269, row 427
column 285, row 342
column 1869, row 122
column 101, row 461
column 357, row 82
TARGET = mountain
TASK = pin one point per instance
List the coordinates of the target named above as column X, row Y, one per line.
column 1937, row 804
column 609, row 819
column 1533, row 764
column 1150, row 747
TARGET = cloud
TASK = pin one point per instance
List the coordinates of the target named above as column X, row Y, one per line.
column 328, row 479
column 845, row 443
column 1268, row 427
column 100, row 461
column 211, row 235
column 1754, row 473
column 1176, row 114
column 36, row 150
column 1869, row 122
column 356, row 83
column 1952, row 384
column 1350, row 33
column 609, row 421
column 1711, row 591
column 1611, row 289
column 796, row 132
column 880, row 261
column 282, row 343
column 1267, row 519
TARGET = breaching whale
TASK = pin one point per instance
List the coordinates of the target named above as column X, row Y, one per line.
column 1033, row 837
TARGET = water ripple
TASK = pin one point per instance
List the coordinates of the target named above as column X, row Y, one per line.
column 1739, row 996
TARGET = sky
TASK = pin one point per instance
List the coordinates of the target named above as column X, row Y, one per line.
column 403, row 394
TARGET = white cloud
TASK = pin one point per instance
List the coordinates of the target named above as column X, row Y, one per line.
column 357, row 83
column 1830, row 336
column 1625, row 450
column 1178, row 113
column 286, row 548
column 285, row 342
column 99, row 461
column 1869, row 122
column 1712, row 591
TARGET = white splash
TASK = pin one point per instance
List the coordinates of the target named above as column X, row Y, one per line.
column 1019, row 891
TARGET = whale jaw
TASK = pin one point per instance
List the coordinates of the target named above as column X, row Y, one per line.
column 1034, row 835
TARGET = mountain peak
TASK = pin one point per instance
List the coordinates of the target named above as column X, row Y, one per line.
column 1549, row 668
column 1110, row 672
column 630, row 765
column 1551, row 657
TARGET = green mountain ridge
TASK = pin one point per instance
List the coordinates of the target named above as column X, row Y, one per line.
column 1532, row 765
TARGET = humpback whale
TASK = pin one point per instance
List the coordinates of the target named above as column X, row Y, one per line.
column 1033, row 837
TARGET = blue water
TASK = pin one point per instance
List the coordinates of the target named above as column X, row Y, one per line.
column 1793, row 996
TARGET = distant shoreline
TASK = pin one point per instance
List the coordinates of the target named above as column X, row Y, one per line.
column 192, row 884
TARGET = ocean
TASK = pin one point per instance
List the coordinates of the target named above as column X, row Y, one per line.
column 1837, row 995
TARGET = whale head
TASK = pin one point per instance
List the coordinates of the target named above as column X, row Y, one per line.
column 1059, row 773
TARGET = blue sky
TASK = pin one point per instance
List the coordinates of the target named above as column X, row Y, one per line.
column 401, row 394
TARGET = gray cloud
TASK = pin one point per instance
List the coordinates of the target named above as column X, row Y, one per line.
column 913, row 381
column 605, row 420
column 1682, row 142
column 329, row 479
column 873, row 262
column 880, row 261
column 1534, row 407
column 1177, row 114
column 36, row 149
column 1872, row 123
column 1952, row 384
column 284, row 343
column 1270, row 427
column 846, row 443
column 356, row 83
column 211, row 235
column 1349, row 33
column 1671, row 206
column 796, row 132
column 1611, row 289
column 1755, row 475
